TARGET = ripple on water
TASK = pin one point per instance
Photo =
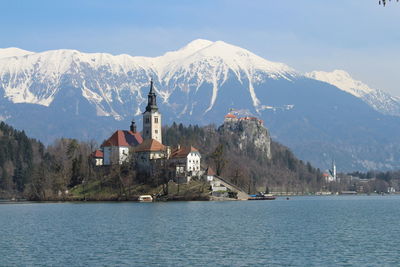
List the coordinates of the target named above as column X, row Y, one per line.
column 305, row 231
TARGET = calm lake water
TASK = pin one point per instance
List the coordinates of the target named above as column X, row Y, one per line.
column 302, row 231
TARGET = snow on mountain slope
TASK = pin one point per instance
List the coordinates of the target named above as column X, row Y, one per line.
column 107, row 81
column 212, row 63
column 13, row 52
column 342, row 80
column 103, row 78
column 36, row 78
column 378, row 99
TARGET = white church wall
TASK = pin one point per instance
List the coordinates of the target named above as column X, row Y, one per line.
column 115, row 154
column 152, row 126
column 123, row 154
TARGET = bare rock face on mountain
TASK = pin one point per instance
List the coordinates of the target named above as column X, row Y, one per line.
column 248, row 134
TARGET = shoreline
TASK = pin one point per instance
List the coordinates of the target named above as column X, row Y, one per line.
column 172, row 199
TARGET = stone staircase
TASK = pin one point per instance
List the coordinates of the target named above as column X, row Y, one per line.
column 241, row 195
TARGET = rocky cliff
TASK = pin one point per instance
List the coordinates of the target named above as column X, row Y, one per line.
column 249, row 134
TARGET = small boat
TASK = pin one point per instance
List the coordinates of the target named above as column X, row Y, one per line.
column 145, row 198
column 261, row 196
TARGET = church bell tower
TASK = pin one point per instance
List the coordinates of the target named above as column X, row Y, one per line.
column 152, row 117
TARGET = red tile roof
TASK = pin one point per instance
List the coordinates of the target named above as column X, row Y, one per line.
column 230, row 116
column 210, row 172
column 183, row 152
column 150, row 145
column 124, row 138
column 97, row 154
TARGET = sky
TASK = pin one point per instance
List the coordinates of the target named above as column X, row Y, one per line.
column 358, row 36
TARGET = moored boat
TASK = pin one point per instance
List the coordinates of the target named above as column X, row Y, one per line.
column 261, row 196
column 145, row 198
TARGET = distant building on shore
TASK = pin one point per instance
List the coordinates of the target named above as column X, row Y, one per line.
column 330, row 175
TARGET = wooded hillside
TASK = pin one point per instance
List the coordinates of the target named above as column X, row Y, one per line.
column 30, row 170
column 246, row 167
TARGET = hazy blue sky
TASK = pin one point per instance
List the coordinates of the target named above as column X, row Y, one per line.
column 355, row 35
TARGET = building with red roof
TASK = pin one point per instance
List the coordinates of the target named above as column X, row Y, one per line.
column 148, row 152
column 123, row 138
column 233, row 118
column 210, row 173
column 97, row 157
column 150, row 145
column 186, row 161
column 116, row 148
column 230, row 117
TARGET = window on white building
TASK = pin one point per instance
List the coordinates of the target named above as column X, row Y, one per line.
column 155, row 119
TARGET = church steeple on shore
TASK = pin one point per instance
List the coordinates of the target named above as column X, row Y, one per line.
column 152, row 117
column 151, row 99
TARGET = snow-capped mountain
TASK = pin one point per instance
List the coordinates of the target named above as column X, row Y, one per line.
column 67, row 93
column 378, row 99
column 36, row 77
column 13, row 52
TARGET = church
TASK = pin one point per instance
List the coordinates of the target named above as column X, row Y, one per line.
column 146, row 149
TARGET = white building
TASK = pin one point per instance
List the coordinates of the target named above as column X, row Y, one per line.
column 116, row 148
column 149, row 153
column 209, row 174
column 331, row 176
column 97, row 157
column 217, row 186
column 187, row 160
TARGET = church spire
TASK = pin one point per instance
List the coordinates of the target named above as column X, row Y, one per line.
column 151, row 87
column 152, row 117
column 151, row 99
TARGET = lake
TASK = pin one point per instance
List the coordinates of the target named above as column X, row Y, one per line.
column 302, row 231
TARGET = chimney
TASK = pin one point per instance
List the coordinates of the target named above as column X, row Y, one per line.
column 133, row 126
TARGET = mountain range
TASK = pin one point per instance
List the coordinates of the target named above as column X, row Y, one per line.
column 321, row 116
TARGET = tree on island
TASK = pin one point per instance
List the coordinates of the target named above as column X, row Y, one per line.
column 219, row 159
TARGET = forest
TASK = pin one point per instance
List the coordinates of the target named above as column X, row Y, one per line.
column 33, row 171
column 247, row 167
